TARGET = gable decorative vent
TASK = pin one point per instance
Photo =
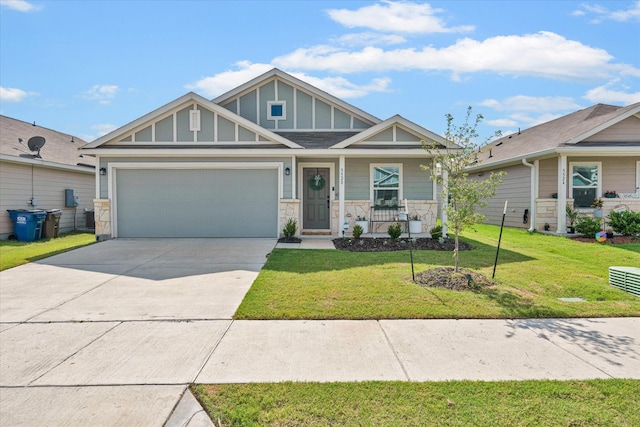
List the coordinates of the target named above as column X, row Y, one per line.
column 625, row 278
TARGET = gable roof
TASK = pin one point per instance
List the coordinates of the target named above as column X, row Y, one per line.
column 117, row 134
column 276, row 73
column 59, row 149
column 397, row 120
column 565, row 132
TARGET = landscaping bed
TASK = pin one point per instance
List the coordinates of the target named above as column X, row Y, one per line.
column 374, row 244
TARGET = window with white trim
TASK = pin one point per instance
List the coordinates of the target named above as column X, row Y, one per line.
column 386, row 184
column 276, row 110
column 585, row 185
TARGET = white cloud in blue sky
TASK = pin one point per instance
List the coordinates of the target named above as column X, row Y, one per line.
column 518, row 62
column 19, row 5
column 397, row 17
column 601, row 13
column 12, row 94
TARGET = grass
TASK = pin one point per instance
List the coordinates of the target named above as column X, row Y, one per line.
column 14, row 253
column 457, row 403
column 534, row 270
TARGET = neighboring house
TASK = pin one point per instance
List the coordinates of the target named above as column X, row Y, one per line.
column 32, row 181
column 243, row 164
column 570, row 161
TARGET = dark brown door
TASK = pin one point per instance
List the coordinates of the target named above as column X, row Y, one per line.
column 315, row 198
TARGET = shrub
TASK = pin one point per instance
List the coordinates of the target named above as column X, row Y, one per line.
column 290, row 228
column 436, row 232
column 357, row 231
column 626, row 223
column 588, row 226
column 395, row 230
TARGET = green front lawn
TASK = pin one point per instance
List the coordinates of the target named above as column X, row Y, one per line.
column 14, row 253
column 534, row 270
column 456, row 403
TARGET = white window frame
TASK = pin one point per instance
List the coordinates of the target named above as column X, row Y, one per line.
column 283, row 104
column 598, row 188
column 372, row 167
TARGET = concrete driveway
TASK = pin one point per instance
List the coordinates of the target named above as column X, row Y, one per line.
column 111, row 334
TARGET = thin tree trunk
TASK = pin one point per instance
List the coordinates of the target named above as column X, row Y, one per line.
column 455, row 250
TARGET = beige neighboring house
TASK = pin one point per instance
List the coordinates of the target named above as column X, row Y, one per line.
column 29, row 181
column 571, row 160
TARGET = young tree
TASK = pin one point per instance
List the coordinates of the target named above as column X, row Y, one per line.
column 449, row 169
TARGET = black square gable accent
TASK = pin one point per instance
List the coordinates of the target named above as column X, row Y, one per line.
column 317, row 139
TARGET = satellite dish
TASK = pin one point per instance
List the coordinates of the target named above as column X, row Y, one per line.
column 35, row 143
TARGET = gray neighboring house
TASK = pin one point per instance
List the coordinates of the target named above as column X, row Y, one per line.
column 25, row 177
column 571, row 160
column 243, row 164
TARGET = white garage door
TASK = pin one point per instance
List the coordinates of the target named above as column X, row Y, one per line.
column 197, row 203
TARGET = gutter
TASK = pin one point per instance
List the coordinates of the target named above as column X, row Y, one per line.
column 532, row 195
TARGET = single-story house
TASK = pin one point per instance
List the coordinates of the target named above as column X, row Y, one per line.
column 569, row 161
column 243, row 164
column 39, row 178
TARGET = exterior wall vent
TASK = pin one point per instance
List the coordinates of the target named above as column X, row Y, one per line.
column 625, row 278
column 194, row 120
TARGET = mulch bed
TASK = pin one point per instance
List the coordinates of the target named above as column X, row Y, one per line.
column 371, row 244
column 616, row 240
column 446, row 277
column 289, row 240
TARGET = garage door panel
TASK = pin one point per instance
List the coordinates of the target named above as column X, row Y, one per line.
column 197, row 203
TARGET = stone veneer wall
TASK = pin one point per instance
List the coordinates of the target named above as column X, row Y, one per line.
column 102, row 213
column 546, row 210
column 427, row 210
column 290, row 208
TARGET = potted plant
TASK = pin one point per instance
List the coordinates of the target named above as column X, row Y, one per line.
column 572, row 215
column 415, row 224
column 610, row 194
column 363, row 223
column 597, row 208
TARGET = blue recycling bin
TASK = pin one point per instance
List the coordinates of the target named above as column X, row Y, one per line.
column 27, row 225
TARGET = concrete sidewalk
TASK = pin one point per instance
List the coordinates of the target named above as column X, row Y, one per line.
column 112, row 334
column 425, row 350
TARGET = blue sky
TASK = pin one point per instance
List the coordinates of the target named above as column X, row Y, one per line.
column 88, row 67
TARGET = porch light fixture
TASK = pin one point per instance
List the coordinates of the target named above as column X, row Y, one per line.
column 103, row 171
column 287, row 171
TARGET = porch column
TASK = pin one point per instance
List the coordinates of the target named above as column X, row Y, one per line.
column 341, row 179
column 562, row 194
column 294, row 180
column 444, row 203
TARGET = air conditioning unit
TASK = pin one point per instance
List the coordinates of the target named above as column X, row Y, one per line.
column 625, row 278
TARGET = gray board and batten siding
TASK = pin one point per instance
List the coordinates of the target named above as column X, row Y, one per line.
column 302, row 110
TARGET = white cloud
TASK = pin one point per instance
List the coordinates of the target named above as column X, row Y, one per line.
column 104, row 94
column 543, row 54
column 533, row 103
column 103, row 128
column 399, row 17
column 368, row 39
column 604, row 14
column 220, row 83
column 19, row 5
column 340, row 87
column 11, row 94
column 607, row 95
column 501, row 123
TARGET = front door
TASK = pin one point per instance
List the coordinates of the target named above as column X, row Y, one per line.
column 315, row 199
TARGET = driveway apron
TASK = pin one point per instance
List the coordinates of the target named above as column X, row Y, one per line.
column 111, row 334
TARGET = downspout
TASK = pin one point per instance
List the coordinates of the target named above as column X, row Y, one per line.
column 532, row 201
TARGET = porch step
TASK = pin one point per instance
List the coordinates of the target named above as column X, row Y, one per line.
column 315, row 233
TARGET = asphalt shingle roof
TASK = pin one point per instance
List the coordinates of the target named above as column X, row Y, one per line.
column 59, row 147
